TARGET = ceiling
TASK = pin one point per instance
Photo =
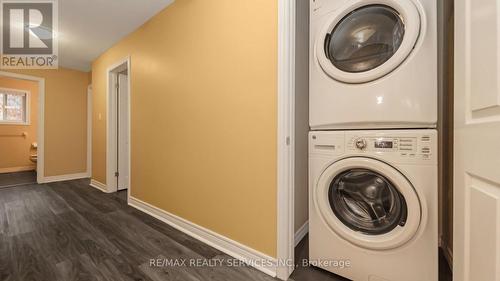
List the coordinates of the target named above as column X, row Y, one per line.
column 88, row 28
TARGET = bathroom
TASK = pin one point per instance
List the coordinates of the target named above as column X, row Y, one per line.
column 18, row 131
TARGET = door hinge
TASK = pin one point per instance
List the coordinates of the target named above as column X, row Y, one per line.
column 287, row 140
column 117, row 174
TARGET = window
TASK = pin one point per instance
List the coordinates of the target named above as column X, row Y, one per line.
column 14, row 107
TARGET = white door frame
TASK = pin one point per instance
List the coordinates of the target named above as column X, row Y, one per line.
column 111, row 131
column 286, row 137
column 89, row 131
column 40, row 165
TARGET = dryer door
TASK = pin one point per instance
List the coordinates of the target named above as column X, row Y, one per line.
column 368, row 203
column 366, row 40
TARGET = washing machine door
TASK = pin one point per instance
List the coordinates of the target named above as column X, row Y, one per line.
column 368, row 203
column 367, row 39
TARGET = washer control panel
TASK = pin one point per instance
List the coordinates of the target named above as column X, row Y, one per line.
column 412, row 147
column 409, row 146
column 384, row 144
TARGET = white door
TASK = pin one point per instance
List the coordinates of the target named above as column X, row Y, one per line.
column 123, row 133
column 476, row 254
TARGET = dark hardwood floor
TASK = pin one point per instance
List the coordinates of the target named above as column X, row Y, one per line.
column 19, row 178
column 70, row 231
column 316, row 274
column 308, row 273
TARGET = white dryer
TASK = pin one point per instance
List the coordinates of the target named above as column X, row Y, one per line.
column 373, row 204
column 373, row 64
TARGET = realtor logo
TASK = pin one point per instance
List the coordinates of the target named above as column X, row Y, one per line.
column 29, row 34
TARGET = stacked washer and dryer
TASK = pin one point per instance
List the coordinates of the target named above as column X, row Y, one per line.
column 373, row 145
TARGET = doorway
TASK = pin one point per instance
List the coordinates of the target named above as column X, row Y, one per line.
column 118, row 124
column 21, row 129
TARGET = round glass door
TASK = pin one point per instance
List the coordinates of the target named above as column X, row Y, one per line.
column 367, row 202
column 365, row 39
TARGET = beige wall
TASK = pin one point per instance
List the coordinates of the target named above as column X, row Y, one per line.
column 204, row 99
column 65, row 120
column 15, row 150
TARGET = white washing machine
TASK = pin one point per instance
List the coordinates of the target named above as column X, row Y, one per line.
column 373, row 204
column 373, row 64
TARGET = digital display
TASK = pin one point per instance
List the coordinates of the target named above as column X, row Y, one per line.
column 384, row 144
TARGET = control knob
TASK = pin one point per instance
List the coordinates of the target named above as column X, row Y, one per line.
column 361, row 144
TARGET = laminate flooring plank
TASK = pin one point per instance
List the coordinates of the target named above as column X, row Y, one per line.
column 114, row 200
column 87, row 233
column 158, row 243
column 180, row 237
column 4, row 224
column 38, row 209
column 80, row 268
column 15, row 194
column 109, row 270
column 53, row 201
column 19, row 218
column 95, row 198
column 128, row 244
column 99, row 274
column 68, row 270
column 114, row 268
column 28, row 263
column 228, row 268
column 145, row 235
column 309, row 273
column 78, row 204
column 57, row 243
column 121, row 196
column 6, row 266
column 126, row 269
column 172, row 272
column 8, row 180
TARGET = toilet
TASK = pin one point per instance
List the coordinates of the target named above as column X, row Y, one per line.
column 34, row 157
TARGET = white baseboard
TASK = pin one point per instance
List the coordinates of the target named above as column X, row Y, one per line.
column 64, row 177
column 301, row 233
column 235, row 249
column 99, row 185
